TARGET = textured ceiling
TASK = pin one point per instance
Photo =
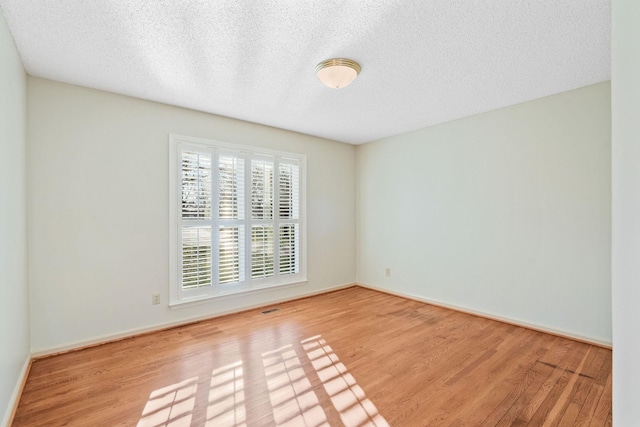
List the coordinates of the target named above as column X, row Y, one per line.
column 423, row 61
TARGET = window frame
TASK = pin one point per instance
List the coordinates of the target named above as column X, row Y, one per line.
column 180, row 297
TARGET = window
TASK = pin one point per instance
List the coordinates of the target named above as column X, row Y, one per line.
column 237, row 219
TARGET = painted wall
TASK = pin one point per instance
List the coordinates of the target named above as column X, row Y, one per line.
column 625, row 108
column 505, row 213
column 99, row 222
column 14, row 285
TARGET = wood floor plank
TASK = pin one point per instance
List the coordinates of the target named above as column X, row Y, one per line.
column 602, row 412
column 351, row 358
column 533, row 381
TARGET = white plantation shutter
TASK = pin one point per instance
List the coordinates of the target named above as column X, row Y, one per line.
column 262, row 251
column 289, row 178
column 196, row 257
column 196, row 185
column 195, row 208
column 231, row 207
column 231, row 187
column 262, row 205
column 230, row 255
column 237, row 216
column 289, row 252
column 289, row 213
column 262, row 188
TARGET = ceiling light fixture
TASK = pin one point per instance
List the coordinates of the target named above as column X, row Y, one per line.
column 337, row 73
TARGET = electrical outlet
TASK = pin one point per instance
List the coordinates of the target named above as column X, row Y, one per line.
column 155, row 299
column 387, row 272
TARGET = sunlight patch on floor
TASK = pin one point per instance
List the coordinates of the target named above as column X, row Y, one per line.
column 346, row 395
column 293, row 400
column 226, row 397
column 170, row 406
column 291, row 394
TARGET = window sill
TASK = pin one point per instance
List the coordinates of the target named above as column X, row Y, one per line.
column 176, row 305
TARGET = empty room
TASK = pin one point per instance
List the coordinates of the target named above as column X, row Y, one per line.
column 337, row 213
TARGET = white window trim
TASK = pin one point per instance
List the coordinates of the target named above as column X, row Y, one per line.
column 178, row 298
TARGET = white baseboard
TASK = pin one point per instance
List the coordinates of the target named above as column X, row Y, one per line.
column 12, row 405
column 516, row 322
column 77, row 345
column 137, row 331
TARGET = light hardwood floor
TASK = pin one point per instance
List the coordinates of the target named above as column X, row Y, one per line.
column 354, row 357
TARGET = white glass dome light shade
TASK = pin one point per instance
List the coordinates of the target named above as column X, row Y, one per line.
column 337, row 73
